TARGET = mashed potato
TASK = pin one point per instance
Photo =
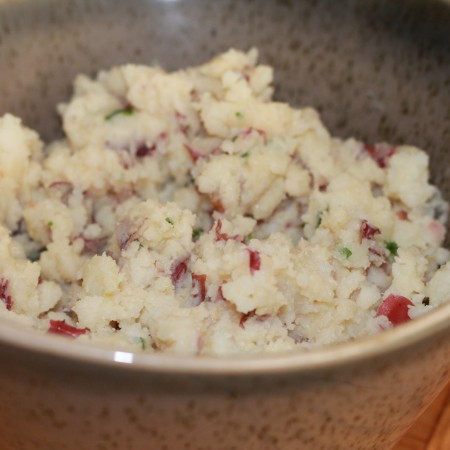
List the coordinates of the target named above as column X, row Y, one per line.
column 189, row 213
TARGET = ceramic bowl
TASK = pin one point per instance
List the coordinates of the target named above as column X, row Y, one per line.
column 378, row 70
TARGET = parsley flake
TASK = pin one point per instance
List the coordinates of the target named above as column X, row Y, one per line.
column 239, row 115
column 196, row 232
column 250, row 237
column 143, row 343
column 319, row 219
column 392, row 247
column 245, row 155
column 169, row 220
column 49, row 223
column 319, row 216
column 345, row 252
column 127, row 111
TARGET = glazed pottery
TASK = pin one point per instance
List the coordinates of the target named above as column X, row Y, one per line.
column 376, row 70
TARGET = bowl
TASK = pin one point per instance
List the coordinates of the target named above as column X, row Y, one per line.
column 377, row 70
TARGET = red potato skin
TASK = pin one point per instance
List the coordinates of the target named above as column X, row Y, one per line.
column 395, row 308
column 64, row 329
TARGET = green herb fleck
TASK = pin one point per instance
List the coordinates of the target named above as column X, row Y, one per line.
column 319, row 219
column 392, row 247
column 303, row 225
column 143, row 343
column 128, row 111
column 345, row 252
column 196, row 232
column 169, row 220
column 245, row 155
column 250, row 237
column 239, row 115
column 234, row 139
column 49, row 223
column 141, row 245
column 319, row 216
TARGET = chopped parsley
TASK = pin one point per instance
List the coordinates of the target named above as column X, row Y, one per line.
column 138, row 242
column 392, row 247
column 319, row 219
column 127, row 111
column 303, row 225
column 196, row 232
column 49, row 223
column 250, row 237
column 239, row 115
column 169, row 220
column 245, row 155
column 345, row 252
column 234, row 139
column 143, row 343
column 319, row 216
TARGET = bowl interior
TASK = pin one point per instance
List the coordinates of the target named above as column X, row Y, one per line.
column 377, row 70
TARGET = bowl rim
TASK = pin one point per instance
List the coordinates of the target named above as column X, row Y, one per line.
column 402, row 337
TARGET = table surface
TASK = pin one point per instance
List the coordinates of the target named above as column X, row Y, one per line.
column 432, row 429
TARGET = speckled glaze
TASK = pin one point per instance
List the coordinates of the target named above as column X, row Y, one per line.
column 378, row 70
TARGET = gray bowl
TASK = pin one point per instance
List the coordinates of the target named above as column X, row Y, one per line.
column 377, row 70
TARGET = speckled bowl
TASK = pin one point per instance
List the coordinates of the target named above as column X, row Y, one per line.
column 379, row 70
